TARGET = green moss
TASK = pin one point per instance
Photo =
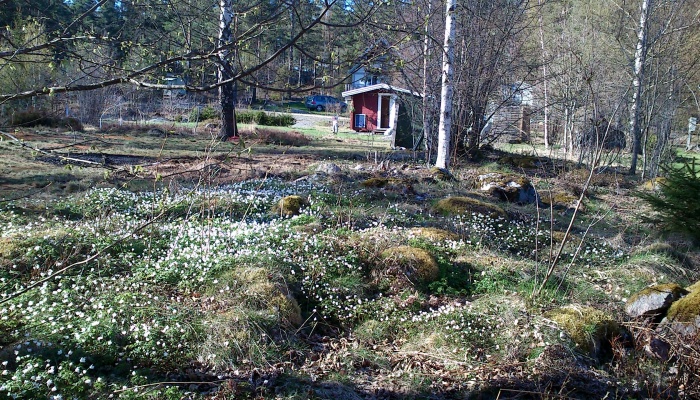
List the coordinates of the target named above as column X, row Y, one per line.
column 587, row 327
column 694, row 288
column 375, row 182
column 289, row 206
column 434, row 234
column 653, row 184
column 253, row 288
column 418, row 264
column 559, row 199
column 441, row 174
column 671, row 288
column 465, row 205
column 686, row 310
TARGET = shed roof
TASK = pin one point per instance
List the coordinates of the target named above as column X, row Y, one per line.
column 379, row 86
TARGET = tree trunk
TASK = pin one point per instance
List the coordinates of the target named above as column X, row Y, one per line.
column 427, row 109
column 226, row 90
column 637, row 81
column 447, row 92
column 544, row 78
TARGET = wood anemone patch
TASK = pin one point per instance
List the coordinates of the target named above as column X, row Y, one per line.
column 467, row 205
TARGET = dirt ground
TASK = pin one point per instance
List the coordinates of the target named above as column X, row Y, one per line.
column 58, row 161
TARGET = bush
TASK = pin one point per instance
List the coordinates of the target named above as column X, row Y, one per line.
column 243, row 117
column 263, row 118
column 204, row 113
column 676, row 206
column 31, row 118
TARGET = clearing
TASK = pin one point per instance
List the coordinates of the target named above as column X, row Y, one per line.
column 155, row 262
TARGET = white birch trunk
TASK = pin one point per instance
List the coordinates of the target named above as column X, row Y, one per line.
column 427, row 129
column 446, row 94
column 639, row 61
column 544, row 78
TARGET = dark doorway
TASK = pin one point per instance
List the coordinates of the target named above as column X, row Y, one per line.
column 384, row 111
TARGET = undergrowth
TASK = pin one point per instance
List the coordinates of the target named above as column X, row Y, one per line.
column 213, row 279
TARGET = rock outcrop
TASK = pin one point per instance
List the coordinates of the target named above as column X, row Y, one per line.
column 654, row 301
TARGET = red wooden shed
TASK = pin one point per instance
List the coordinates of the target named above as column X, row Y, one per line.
column 375, row 108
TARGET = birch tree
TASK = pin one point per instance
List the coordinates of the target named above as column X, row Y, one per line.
column 226, row 90
column 446, row 94
column 637, row 79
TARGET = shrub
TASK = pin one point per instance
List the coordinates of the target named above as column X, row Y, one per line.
column 676, row 206
column 204, row 113
column 32, row 118
column 263, row 118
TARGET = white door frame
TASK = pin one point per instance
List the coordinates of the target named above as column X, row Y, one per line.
column 393, row 110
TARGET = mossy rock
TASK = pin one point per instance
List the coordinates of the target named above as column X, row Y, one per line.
column 466, row 205
column 389, row 184
column 511, row 188
column 441, row 174
column 654, row 300
column 375, row 182
column 589, row 328
column 418, row 265
column 261, row 293
column 559, row 200
column 10, row 247
column 434, row 234
column 653, row 184
column 684, row 315
column 558, row 236
column 695, row 287
column 287, row 308
column 290, row 205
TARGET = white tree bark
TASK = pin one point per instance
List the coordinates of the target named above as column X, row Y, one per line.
column 446, row 94
column 427, row 128
column 639, row 61
column 544, row 76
